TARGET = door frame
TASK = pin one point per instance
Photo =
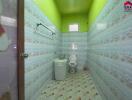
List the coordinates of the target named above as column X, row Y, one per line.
column 20, row 49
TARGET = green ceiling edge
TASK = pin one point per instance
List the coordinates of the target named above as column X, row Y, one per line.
column 49, row 8
column 96, row 8
column 73, row 6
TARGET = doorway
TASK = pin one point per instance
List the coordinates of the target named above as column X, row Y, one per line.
column 11, row 50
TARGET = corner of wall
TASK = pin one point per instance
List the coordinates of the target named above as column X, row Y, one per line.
column 95, row 10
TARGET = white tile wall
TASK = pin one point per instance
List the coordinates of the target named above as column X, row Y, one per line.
column 79, row 39
column 42, row 50
column 110, row 52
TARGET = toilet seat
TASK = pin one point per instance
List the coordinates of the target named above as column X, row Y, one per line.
column 72, row 64
column 73, row 60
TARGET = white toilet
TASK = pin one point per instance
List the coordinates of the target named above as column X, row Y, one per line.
column 73, row 63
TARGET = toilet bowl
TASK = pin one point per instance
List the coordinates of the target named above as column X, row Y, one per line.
column 73, row 63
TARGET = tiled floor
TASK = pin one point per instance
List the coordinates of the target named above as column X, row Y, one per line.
column 75, row 86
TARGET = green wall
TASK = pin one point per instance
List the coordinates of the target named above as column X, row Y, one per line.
column 84, row 20
column 96, row 8
column 80, row 19
column 50, row 9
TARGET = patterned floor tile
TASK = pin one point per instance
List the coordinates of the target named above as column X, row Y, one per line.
column 75, row 86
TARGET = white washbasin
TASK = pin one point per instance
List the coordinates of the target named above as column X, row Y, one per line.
column 60, row 68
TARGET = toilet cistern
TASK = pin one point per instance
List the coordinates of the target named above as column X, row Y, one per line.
column 74, row 46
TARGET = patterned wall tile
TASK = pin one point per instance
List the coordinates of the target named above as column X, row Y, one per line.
column 79, row 39
column 110, row 52
column 42, row 48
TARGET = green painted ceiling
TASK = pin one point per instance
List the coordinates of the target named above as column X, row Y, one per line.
column 73, row 6
column 61, row 12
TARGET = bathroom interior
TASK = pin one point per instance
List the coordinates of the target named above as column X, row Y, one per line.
column 73, row 50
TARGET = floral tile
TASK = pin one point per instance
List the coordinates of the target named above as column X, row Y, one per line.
column 75, row 86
